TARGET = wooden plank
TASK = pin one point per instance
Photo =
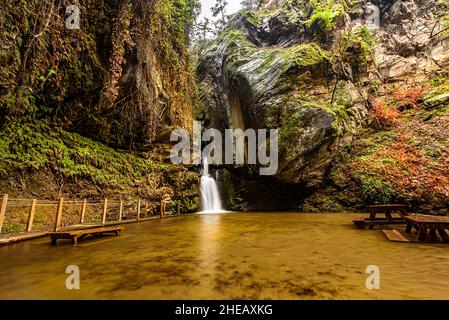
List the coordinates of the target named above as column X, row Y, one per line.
column 105, row 211
column 31, row 215
column 138, row 210
column 3, row 210
column 86, row 231
column 59, row 214
column 396, row 236
column 83, row 211
column 361, row 222
column 120, row 213
column 420, row 218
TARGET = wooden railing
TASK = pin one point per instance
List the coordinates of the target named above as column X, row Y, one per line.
column 33, row 203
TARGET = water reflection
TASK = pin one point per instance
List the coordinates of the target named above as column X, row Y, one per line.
column 226, row 256
column 210, row 241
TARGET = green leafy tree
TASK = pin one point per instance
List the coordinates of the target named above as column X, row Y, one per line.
column 202, row 31
column 219, row 12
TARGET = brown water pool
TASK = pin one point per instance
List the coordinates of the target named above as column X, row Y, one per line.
column 229, row 256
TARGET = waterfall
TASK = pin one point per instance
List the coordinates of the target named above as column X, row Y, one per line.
column 210, row 197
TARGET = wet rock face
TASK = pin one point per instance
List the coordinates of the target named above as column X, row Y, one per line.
column 405, row 43
column 281, row 75
column 401, row 10
column 309, row 71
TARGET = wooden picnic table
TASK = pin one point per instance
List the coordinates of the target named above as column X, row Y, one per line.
column 428, row 227
column 388, row 211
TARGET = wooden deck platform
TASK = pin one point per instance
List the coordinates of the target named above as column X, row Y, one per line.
column 9, row 239
column 80, row 234
column 18, row 237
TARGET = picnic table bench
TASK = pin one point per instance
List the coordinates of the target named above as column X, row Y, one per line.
column 428, row 227
column 80, row 234
column 388, row 211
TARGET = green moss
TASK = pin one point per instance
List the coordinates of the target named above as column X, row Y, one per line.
column 438, row 97
column 444, row 7
column 324, row 14
column 364, row 37
column 306, row 54
column 361, row 37
column 255, row 17
column 288, row 111
column 230, row 193
column 439, row 79
column 37, row 145
column 64, row 74
column 233, row 38
column 375, row 190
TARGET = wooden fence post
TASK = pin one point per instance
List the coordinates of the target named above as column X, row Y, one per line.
column 83, row 211
column 31, row 215
column 138, row 210
column 105, row 210
column 146, row 208
column 59, row 214
column 120, row 214
column 3, row 210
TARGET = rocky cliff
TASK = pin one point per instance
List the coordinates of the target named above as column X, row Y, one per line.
column 331, row 74
column 81, row 108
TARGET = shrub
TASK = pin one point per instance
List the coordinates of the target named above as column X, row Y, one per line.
column 376, row 191
column 409, row 98
column 382, row 114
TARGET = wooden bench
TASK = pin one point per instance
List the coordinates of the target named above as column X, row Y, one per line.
column 80, row 234
column 429, row 227
column 394, row 235
column 388, row 211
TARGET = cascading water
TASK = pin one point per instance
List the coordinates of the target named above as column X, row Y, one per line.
column 210, row 197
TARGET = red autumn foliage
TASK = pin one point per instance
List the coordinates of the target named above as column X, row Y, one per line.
column 413, row 157
column 382, row 114
column 422, row 176
column 406, row 98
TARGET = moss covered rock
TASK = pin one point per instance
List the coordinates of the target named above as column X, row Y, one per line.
column 113, row 79
column 322, row 74
column 271, row 67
